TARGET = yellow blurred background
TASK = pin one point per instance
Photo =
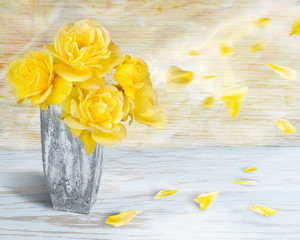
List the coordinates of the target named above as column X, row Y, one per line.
column 162, row 33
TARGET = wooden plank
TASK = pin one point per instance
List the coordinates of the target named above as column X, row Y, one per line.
column 133, row 176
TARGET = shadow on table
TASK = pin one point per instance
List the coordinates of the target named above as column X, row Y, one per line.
column 31, row 187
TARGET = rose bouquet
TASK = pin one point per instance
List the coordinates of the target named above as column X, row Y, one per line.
column 72, row 73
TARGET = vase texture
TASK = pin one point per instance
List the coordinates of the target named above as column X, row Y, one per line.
column 72, row 176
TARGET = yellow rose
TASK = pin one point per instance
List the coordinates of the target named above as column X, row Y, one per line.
column 32, row 77
column 146, row 110
column 84, row 49
column 131, row 75
column 96, row 115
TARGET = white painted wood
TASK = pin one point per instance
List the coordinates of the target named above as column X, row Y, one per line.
column 133, row 176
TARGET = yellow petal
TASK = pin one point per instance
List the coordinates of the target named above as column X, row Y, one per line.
column 210, row 76
column 233, row 99
column 178, row 78
column 193, row 53
column 61, row 89
column 40, row 98
column 71, row 74
column 110, row 138
column 208, row 102
column 93, row 83
column 121, row 219
column 250, row 169
column 205, row 199
column 164, row 193
column 225, row 50
column 75, row 132
column 263, row 210
column 262, row 22
column 88, row 141
column 285, row 126
column 74, row 124
column 154, row 116
column 296, row 27
column 257, row 46
column 285, row 72
column 246, row 182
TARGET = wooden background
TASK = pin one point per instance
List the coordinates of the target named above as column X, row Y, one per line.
column 190, row 154
column 162, row 32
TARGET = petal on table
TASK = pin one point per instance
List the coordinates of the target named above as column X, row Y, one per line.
column 205, row 199
column 164, row 193
column 246, row 182
column 121, row 219
column 250, row 169
column 263, row 210
column 193, row 52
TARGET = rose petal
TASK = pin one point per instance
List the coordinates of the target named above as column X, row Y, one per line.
column 262, row 22
column 61, row 89
column 88, row 141
column 40, row 98
column 257, row 46
column 193, row 53
column 110, row 138
column 208, row 102
column 205, row 199
column 233, row 99
column 74, row 124
column 246, row 182
column 93, row 83
column 121, row 219
column 225, row 50
column 263, row 210
column 285, row 72
column 250, row 169
column 285, row 126
column 178, row 78
column 210, row 76
column 164, row 193
column 71, row 74
column 296, row 27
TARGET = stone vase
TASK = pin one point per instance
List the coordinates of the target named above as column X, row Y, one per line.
column 72, row 176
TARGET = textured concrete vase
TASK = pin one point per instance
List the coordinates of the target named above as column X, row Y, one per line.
column 72, row 176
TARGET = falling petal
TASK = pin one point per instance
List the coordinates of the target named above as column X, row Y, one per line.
column 250, row 169
column 121, row 219
column 246, row 182
column 164, row 193
column 178, row 78
column 257, row 46
column 205, row 199
column 296, row 27
column 285, row 72
column 263, row 210
column 193, row 53
column 285, row 126
column 233, row 99
column 208, row 102
column 225, row 50
column 210, row 76
column 262, row 22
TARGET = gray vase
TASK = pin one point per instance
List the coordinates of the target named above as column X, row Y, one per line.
column 72, row 176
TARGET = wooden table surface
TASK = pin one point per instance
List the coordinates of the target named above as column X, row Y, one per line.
column 132, row 177
column 201, row 150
